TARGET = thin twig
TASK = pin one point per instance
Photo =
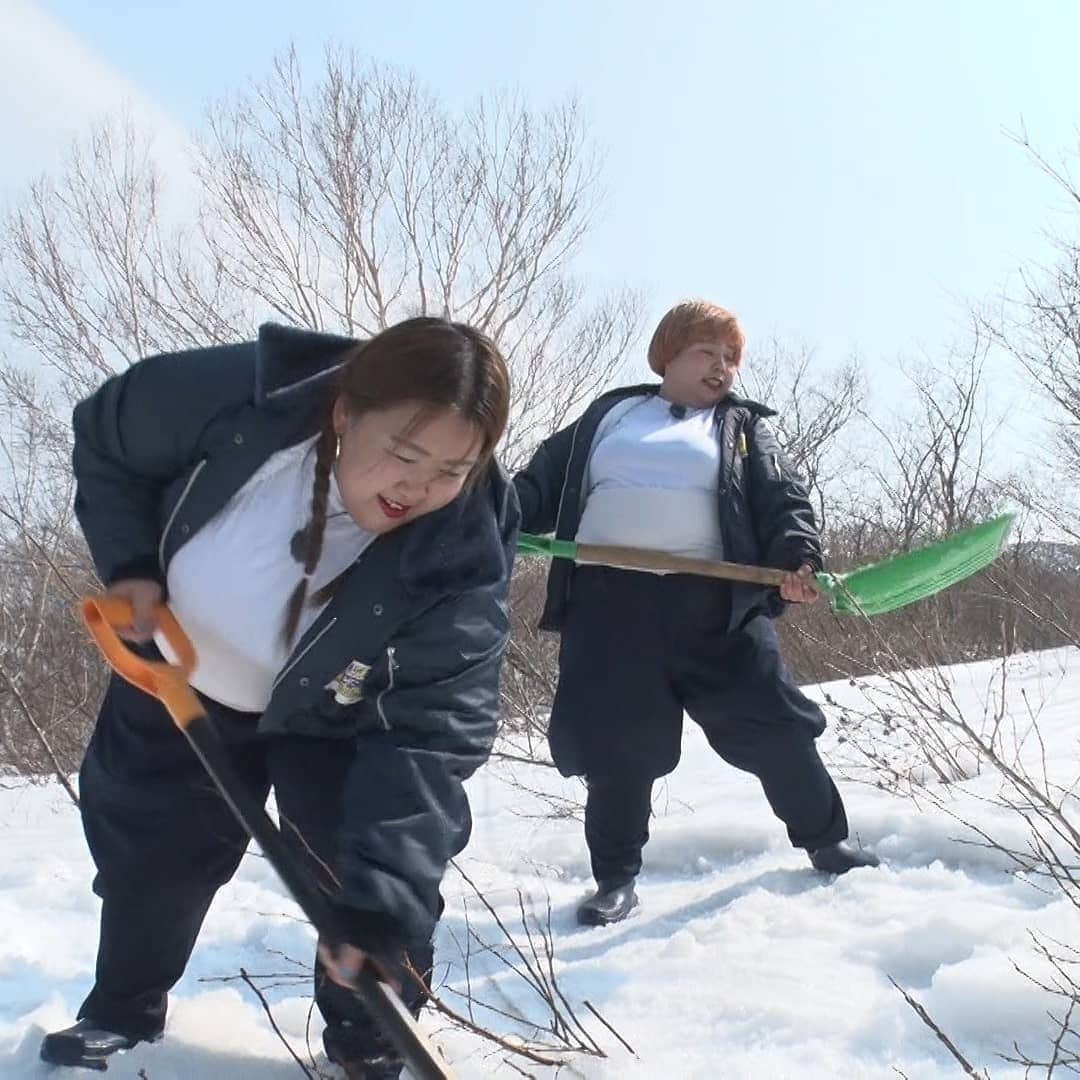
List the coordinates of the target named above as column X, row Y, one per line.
column 24, row 708
column 490, row 1036
column 273, row 1023
column 926, row 1018
column 589, row 1005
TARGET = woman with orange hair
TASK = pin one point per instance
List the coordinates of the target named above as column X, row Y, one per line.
column 688, row 468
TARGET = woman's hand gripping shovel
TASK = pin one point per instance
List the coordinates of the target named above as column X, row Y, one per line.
column 169, row 684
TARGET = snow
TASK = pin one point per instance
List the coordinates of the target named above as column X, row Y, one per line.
column 741, row 961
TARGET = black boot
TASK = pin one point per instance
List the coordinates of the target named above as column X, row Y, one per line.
column 369, row 1068
column 609, row 904
column 87, row 1044
column 842, row 857
column 362, row 1053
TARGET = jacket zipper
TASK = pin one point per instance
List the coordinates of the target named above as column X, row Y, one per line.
column 737, row 443
column 391, row 667
column 296, row 660
column 176, row 510
column 566, row 478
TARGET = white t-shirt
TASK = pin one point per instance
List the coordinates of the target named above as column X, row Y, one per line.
column 653, row 480
column 230, row 584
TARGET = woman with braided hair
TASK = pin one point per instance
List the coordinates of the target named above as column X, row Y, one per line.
column 327, row 522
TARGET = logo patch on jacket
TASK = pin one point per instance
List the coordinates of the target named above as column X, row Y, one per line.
column 348, row 687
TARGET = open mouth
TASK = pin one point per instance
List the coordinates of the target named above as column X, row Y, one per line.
column 392, row 509
column 714, row 384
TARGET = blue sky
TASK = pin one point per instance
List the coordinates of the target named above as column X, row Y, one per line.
column 836, row 172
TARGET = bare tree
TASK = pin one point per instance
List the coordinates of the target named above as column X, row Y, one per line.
column 92, row 276
column 1039, row 328
column 345, row 203
column 932, row 477
column 48, row 677
column 363, row 199
column 816, row 409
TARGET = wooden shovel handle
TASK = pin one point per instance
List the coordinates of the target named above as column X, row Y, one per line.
column 631, row 558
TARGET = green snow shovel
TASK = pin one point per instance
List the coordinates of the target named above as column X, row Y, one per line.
column 870, row 590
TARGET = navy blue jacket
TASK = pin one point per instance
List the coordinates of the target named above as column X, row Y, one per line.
column 160, row 449
column 765, row 513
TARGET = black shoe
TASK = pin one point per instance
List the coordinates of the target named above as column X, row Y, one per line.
column 842, row 857
column 609, row 904
column 87, row 1044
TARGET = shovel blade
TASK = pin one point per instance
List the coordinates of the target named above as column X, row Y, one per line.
column 903, row 579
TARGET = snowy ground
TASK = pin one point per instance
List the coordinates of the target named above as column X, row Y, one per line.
column 742, row 962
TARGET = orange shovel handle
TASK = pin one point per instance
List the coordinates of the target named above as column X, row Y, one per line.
column 166, row 682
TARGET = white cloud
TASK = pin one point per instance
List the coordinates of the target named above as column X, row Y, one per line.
column 54, row 87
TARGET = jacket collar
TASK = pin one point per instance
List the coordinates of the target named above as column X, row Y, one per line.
column 287, row 357
column 746, row 403
column 640, row 389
